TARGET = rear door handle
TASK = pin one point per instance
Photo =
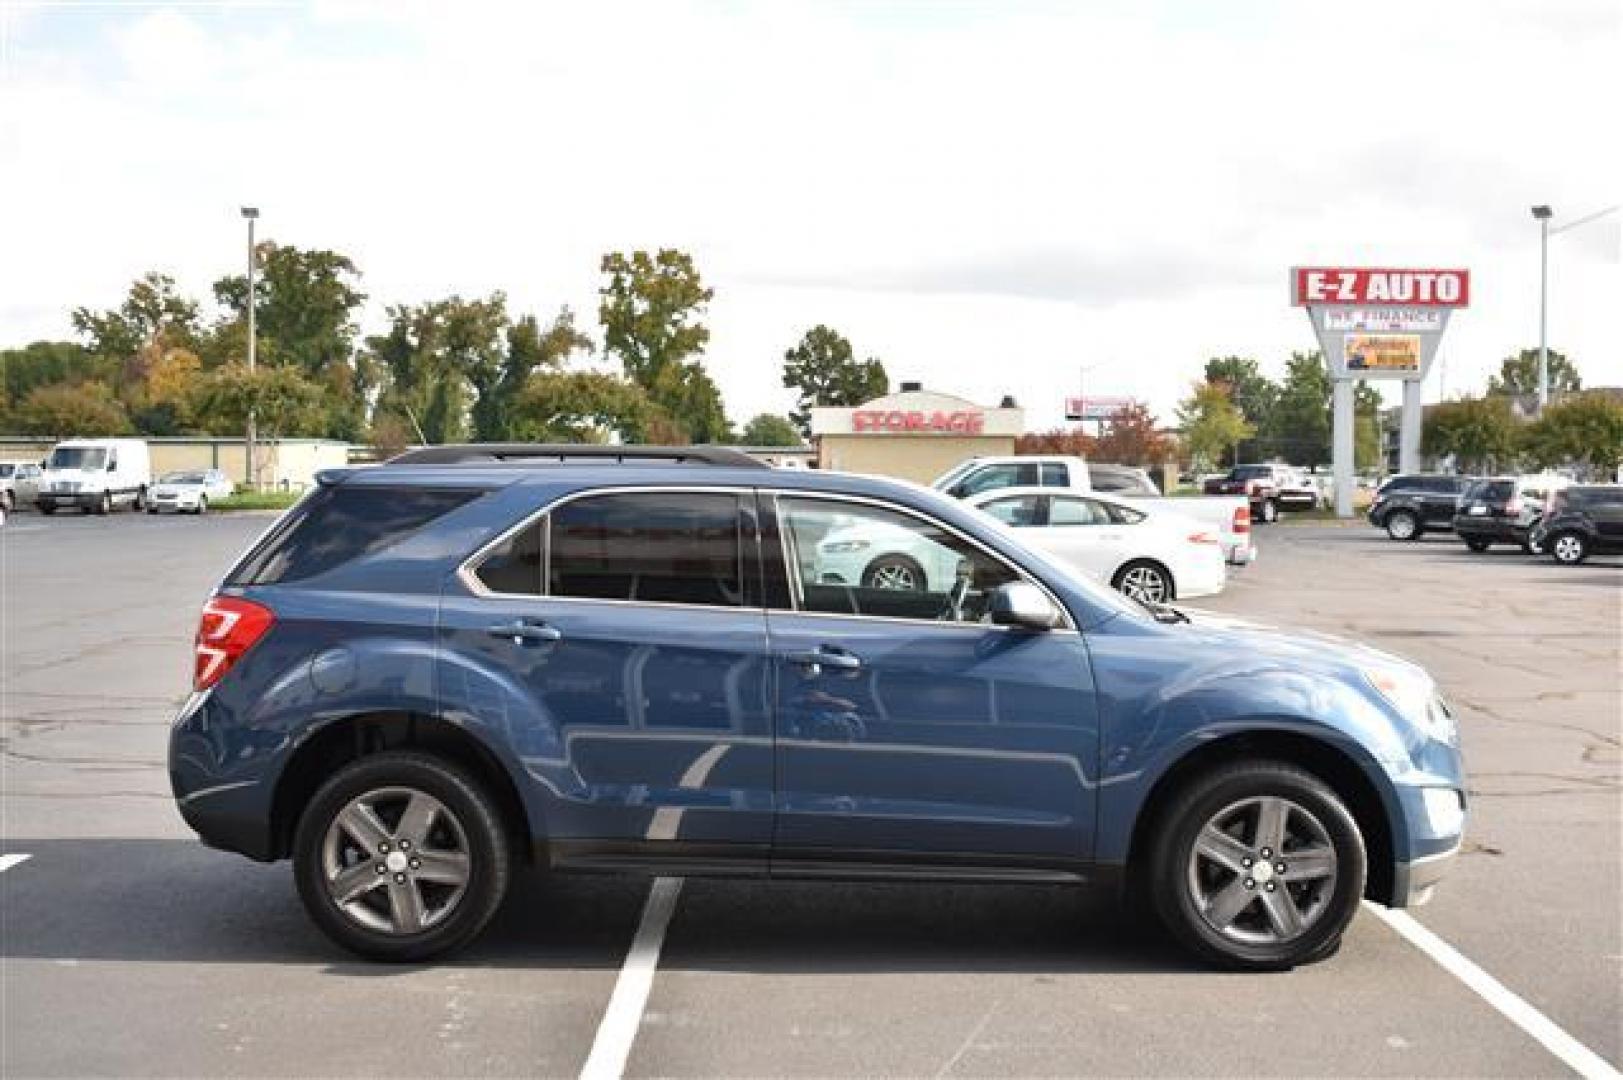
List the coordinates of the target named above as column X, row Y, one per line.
column 825, row 658
column 520, row 632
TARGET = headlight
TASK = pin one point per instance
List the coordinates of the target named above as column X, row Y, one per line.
column 844, row 547
column 1414, row 695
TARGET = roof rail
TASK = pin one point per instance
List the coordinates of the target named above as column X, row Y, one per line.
column 574, row 453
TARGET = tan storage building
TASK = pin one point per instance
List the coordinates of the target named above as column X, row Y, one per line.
column 915, row 434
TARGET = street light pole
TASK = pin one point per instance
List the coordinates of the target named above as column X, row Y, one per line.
column 1542, row 213
column 251, row 213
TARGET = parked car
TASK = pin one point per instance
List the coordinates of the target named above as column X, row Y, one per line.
column 1583, row 520
column 977, row 474
column 189, row 491
column 1409, row 505
column 435, row 672
column 1503, row 510
column 96, row 475
column 1229, row 516
column 1151, row 555
column 19, row 483
column 1270, row 488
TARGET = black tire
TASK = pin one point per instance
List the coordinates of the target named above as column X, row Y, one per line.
column 1145, row 568
column 104, row 505
column 488, row 850
column 1270, row 511
column 8, row 501
column 140, row 502
column 1476, row 545
column 895, row 572
column 1568, row 548
column 202, row 505
column 1205, row 798
column 47, row 509
column 1403, row 525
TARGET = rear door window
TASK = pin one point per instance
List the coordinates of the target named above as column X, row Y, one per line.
column 1065, row 511
column 672, row 547
column 336, row 525
column 1020, row 511
column 1055, row 475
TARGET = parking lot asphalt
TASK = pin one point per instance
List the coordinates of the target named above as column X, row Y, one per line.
column 128, row 948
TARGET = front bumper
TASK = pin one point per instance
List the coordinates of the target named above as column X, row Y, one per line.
column 68, row 498
column 1413, row 881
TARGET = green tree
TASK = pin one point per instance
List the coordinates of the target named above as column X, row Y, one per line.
column 1585, row 428
column 579, row 406
column 283, row 401
column 153, row 317
column 419, row 381
column 824, row 369
column 1252, row 392
column 1518, row 374
column 47, row 363
column 1367, row 451
column 1212, row 425
column 650, row 311
column 88, row 408
column 1479, row 433
column 1298, row 428
column 531, row 350
column 769, row 429
column 306, row 302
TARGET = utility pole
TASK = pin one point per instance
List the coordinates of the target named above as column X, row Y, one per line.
column 251, row 213
column 1543, row 213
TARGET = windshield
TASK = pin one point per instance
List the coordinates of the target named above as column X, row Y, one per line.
column 182, row 478
column 7, row 470
column 77, row 457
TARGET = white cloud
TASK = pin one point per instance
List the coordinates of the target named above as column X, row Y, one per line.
column 987, row 197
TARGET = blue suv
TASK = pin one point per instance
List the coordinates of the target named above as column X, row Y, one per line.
column 431, row 674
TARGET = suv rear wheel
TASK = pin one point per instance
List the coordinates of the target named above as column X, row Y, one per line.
column 1569, row 548
column 401, row 856
column 1258, row 865
column 1402, row 525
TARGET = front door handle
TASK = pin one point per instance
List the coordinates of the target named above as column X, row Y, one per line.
column 520, row 632
column 817, row 659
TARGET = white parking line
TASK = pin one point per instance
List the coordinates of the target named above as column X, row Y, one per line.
column 1574, row 1054
column 8, row 861
column 618, row 1029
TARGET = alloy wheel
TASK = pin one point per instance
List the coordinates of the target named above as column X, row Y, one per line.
column 396, row 860
column 1262, row 871
column 1401, row 526
column 1145, row 583
column 1568, row 548
column 894, row 576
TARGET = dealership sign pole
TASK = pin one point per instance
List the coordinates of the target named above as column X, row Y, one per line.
column 1377, row 324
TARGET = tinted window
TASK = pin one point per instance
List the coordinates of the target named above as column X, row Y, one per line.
column 991, row 477
column 1492, row 490
column 1120, row 515
column 334, row 525
column 1017, row 510
column 672, row 547
column 857, row 559
column 1077, row 512
column 1252, row 472
column 1056, row 476
column 514, row 566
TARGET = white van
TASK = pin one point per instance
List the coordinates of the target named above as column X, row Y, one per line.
column 96, row 475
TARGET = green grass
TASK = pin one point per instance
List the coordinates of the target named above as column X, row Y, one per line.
column 255, row 500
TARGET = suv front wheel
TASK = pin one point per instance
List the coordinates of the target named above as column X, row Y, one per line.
column 1569, row 547
column 1258, row 866
column 401, row 856
column 1402, row 525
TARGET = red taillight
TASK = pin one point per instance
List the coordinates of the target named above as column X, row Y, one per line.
column 1202, row 538
column 1242, row 519
column 228, row 628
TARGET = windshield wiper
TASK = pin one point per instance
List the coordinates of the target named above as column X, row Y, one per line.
column 1164, row 613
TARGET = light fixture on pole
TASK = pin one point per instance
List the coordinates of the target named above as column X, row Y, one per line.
column 1543, row 214
column 251, row 213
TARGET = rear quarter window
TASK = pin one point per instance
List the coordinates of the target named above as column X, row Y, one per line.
column 336, row 525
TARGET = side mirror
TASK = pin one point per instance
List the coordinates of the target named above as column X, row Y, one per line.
column 112, row 466
column 1023, row 605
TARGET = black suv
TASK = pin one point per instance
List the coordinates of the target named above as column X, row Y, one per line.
column 1585, row 520
column 1407, row 506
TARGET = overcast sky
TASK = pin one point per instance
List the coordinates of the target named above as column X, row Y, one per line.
column 990, row 197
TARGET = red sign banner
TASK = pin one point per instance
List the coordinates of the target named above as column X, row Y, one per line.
column 964, row 422
column 1363, row 285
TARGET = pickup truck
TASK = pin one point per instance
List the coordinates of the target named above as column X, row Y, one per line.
column 1230, row 516
column 1268, row 488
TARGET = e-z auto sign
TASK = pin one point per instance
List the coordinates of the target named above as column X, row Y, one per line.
column 1347, row 286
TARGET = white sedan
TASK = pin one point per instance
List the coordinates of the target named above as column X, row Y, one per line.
column 188, row 491
column 1149, row 554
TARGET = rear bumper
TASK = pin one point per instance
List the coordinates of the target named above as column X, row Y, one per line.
column 1475, row 527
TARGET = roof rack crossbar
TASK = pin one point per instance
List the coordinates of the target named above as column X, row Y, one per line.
column 566, row 453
